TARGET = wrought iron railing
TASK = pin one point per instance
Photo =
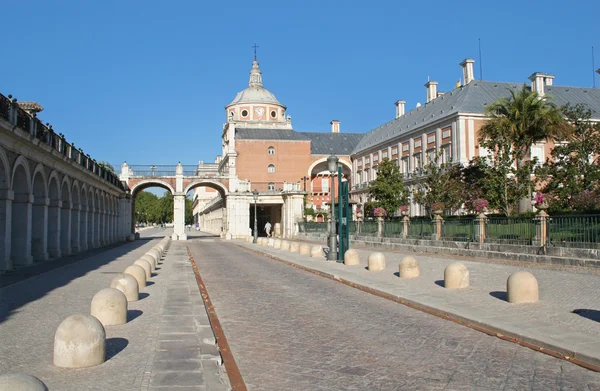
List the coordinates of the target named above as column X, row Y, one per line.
column 369, row 228
column 393, row 228
column 459, row 229
column 312, row 226
column 150, row 170
column 510, row 230
column 574, row 231
column 420, row 228
column 10, row 111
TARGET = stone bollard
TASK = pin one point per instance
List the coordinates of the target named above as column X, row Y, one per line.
column 304, row 249
column 146, row 266
column 351, row 258
column 294, row 247
column 127, row 284
column 277, row 243
column 160, row 251
column 270, row 242
column 316, row 252
column 456, row 276
column 79, row 342
column 285, row 245
column 151, row 260
column 109, row 306
column 156, row 255
column 409, row 268
column 138, row 273
column 376, row 262
column 21, row 382
column 522, row 287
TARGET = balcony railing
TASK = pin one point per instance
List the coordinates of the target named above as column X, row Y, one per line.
column 11, row 112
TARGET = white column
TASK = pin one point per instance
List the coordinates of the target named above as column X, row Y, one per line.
column 65, row 228
column 75, row 224
column 54, row 227
column 6, row 197
column 179, row 217
column 39, row 234
column 83, row 226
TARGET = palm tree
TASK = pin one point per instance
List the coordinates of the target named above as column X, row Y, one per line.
column 527, row 118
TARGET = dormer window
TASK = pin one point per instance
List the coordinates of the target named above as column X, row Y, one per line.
column 271, row 151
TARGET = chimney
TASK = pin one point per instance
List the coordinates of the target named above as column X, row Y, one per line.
column 335, row 126
column 400, row 108
column 539, row 81
column 467, row 66
column 431, row 90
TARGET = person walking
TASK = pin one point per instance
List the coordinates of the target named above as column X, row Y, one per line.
column 268, row 229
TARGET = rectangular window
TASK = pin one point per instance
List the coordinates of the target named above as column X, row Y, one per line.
column 418, row 143
column 325, row 185
column 417, row 158
column 446, row 153
column 404, row 167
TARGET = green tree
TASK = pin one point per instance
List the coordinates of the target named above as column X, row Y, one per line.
column 146, row 207
column 520, row 120
column 165, row 208
column 189, row 212
column 388, row 189
column 575, row 165
column 504, row 184
column 442, row 183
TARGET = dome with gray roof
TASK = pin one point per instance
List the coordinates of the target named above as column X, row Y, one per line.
column 255, row 93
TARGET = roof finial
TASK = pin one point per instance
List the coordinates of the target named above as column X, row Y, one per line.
column 255, row 46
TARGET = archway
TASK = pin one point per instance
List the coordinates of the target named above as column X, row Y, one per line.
column 152, row 205
column 5, row 205
column 75, row 215
column 39, row 228
column 205, row 208
column 21, row 213
column 319, row 192
column 54, row 208
column 65, row 217
column 83, row 219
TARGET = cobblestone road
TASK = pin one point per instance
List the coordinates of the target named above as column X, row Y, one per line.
column 292, row 330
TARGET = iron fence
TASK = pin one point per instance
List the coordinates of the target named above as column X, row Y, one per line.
column 459, row 229
column 393, row 228
column 369, row 228
column 420, row 228
column 582, row 231
column 510, row 230
column 312, row 226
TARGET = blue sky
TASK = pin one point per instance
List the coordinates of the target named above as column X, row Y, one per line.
column 147, row 81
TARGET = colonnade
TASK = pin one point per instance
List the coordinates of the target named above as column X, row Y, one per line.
column 46, row 214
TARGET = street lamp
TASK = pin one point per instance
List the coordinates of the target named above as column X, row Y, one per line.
column 255, row 195
column 304, row 178
column 332, row 163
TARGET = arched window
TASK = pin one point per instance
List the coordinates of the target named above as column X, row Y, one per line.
column 271, row 186
column 271, row 151
column 271, row 168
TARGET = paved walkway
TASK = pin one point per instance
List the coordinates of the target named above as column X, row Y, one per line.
column 167, row 343
column 292, row 330
column 550, row 323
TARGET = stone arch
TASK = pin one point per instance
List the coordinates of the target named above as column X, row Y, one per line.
column 324, row 160
column 21, row 213
column 54, row 209
column 65, row 215
column 5, row 231
column 144, row 184
column 218, row 186
column 39, row 222
column 75, row 215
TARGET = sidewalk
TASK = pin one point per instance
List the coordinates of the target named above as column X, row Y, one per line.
column 167, row 343
column 548, row 324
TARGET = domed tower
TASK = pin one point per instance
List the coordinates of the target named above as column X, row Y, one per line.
column 257, row 107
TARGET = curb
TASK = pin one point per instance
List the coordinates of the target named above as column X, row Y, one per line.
column 553, row 349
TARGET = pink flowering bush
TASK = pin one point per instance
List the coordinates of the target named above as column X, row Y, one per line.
column 380, row 212
column 403, row 208
column 540, row 198
column 479, row 204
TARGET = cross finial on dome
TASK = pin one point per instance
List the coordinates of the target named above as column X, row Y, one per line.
column 255, row 46
column 255, row 75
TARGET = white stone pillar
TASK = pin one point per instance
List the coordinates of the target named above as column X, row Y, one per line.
column 179, row 217
column 97, row 237
column 21, row 229
column 83, row 226
column 90, row 229
column 39, row 233
column 6, row 197
column 75, row 215
column 65, row 228
column 54, row 227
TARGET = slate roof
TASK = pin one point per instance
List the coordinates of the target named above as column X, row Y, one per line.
column 471, row 98
column 320, row 143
